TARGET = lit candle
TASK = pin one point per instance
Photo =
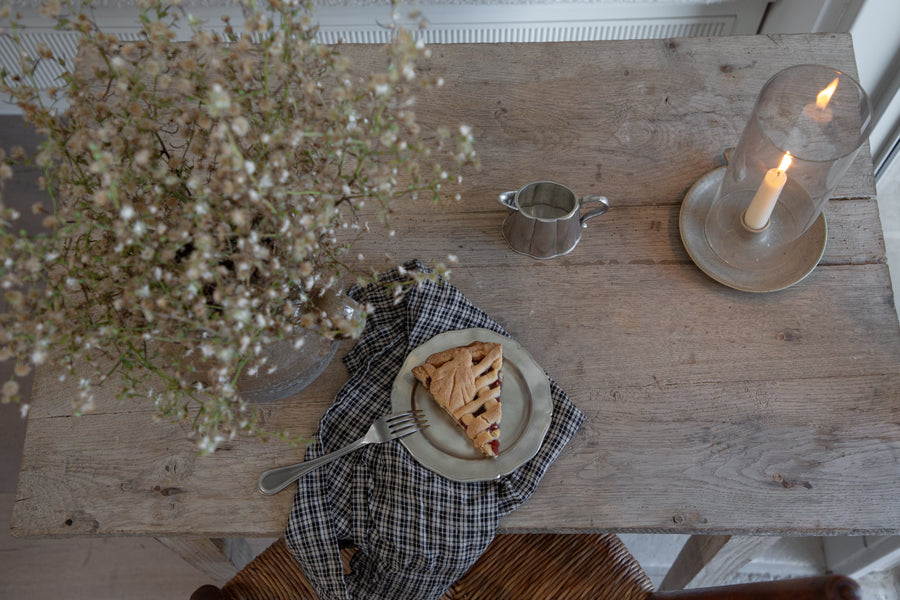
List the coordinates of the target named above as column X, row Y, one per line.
column 819, row 111
column 757, row 216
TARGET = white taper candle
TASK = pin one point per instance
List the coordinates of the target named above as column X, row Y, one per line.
column 763, row 203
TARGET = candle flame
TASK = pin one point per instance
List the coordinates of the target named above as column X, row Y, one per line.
column 785, row 162
column 824, row 97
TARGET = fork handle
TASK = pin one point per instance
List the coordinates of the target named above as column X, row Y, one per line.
column 274, row 480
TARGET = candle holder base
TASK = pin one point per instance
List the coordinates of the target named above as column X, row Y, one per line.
column 801, row 257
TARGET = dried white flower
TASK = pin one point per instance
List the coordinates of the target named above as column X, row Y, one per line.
column 10, row 388
column 193, row 197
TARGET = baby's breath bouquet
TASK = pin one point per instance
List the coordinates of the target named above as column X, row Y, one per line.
column 202, row 194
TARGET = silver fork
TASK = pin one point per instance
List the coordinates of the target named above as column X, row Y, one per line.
column 386, row 428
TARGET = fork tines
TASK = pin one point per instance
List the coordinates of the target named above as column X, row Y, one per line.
column 405, row 423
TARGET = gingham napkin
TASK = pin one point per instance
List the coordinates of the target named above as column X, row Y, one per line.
column 416, row 532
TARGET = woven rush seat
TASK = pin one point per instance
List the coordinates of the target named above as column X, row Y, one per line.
column 533, row 567
column 519, row 566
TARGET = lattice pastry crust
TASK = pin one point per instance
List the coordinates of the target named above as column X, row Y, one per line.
column 466, row 382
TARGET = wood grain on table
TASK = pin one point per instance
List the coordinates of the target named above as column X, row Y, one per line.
column 708, row 410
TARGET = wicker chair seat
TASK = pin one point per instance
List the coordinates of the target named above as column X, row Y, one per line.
column 532, row 567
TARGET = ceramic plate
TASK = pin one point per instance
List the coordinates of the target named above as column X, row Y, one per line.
column 444, row 448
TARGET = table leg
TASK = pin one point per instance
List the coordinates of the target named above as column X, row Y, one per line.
column 707, row 560
column 219, row 558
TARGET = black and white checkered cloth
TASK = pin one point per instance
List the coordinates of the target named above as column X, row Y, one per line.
column 416, row 531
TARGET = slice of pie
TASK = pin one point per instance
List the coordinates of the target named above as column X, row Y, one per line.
column 466, row 382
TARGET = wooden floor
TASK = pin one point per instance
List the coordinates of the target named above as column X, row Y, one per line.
column 141, row 568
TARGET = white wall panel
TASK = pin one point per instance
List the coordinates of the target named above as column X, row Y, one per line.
column 455, row 21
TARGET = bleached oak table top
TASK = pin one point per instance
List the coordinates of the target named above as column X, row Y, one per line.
column 709, row 410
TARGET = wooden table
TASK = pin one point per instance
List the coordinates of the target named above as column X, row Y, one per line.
column 709, row 411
